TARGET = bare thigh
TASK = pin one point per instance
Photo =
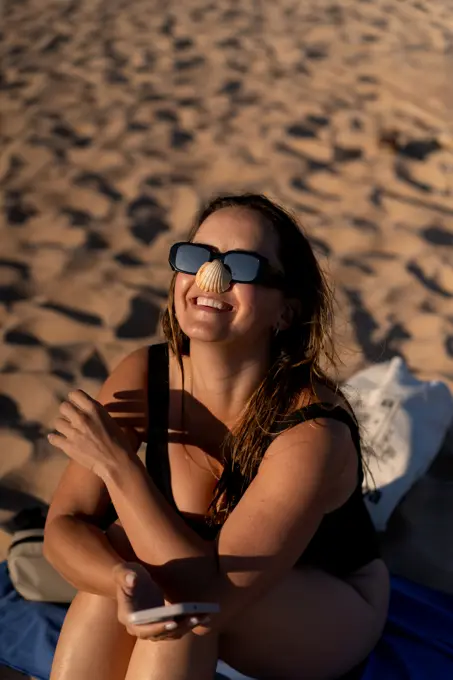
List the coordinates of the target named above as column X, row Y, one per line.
column 92, row 643
column 190, row 658
column 311, row 625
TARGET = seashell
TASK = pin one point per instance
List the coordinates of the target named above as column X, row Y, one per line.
column 213, row 277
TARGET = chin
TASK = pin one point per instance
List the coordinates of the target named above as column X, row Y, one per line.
column 226, row 337
column 203, row 334
column 226, row 331
column 205, row 328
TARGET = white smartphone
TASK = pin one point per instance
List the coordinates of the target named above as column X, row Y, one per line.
column 171, row 611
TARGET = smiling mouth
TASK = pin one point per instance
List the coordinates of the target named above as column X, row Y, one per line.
column 210, row 303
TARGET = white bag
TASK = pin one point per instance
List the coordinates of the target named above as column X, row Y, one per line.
column 403, row 422
column 31, row 574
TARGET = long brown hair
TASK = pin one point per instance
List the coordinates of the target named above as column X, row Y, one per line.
column 300, row 355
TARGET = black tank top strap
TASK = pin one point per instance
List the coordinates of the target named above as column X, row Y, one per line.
column 157, row 462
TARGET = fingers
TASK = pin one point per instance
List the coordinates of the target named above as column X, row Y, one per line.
column 137, row 591
column 78, row 405
column 146, row 594
column 71, row 422
column 78, row 408
column 58, row 441
column 63, row 426
column 72, row 413
column 169, row 630
column 83, row 401
column 155, row 631
column 125, row 577
column 129, row 576
column 202, row 626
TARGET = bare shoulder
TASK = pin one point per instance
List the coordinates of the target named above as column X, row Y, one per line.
column 322, row 450
column 131, row 367
column 323, row 438
column 124, row 393
column 130, row 372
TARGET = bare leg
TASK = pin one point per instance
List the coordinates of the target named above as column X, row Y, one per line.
column 92, row 644
column 190, row 658
column 311, row 625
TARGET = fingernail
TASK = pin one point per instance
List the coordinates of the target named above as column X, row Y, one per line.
column 130, row 579
column 171, row 626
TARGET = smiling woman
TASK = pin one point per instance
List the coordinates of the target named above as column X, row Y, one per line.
column 251, row 492
column 249, row 253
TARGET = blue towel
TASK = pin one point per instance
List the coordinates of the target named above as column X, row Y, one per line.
column 28, row 630
column 417, row 643
column 418, row 639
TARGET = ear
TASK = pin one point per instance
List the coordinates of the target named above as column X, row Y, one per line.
column 291, row 309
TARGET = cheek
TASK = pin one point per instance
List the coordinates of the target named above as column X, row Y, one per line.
column 259, row 305
column 182, row 284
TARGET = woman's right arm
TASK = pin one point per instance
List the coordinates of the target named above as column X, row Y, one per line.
column 74, row 542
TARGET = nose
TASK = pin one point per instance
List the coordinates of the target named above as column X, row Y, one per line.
column 213, row 277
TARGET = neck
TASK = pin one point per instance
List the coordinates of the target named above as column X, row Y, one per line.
column 224, row 378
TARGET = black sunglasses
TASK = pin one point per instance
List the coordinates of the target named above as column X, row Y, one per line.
column 245, row 266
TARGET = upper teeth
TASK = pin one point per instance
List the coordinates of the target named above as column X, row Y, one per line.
column 209, row 302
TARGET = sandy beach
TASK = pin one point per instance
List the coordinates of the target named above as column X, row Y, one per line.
column 117, row 120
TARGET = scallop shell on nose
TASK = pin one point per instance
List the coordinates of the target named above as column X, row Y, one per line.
column 213, row 277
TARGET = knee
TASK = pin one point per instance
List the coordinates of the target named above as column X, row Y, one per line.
column 92, row 604
column 96, row 611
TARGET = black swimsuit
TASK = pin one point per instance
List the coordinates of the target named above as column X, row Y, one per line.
column 345, row 540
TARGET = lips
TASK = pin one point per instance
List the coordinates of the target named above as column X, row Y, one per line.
column 211, row 303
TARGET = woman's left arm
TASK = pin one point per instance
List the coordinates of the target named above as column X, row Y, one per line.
column 307, row 471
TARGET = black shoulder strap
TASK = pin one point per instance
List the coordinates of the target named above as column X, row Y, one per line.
column 157, row 462
column 157, row 445
column 158, row 387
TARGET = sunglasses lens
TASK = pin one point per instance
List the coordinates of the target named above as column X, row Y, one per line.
column 244, row 268
column 189, row 258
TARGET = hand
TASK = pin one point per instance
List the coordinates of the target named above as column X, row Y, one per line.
column 89, row 435
column 136, row 590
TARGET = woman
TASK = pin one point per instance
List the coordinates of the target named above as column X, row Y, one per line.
column 251, row 493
